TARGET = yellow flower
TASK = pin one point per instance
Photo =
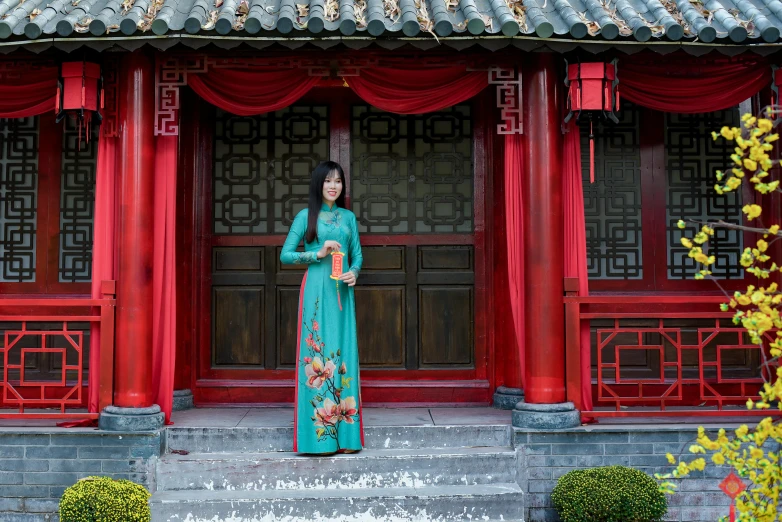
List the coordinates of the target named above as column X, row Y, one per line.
column 773, row 230
column 671, row 458
column 765, row 125
column 727, row 133
column 750, row 164
column 686, row 242
column 752, row 211
column 718, row 458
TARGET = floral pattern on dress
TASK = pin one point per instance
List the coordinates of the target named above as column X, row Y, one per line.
column 326, row 373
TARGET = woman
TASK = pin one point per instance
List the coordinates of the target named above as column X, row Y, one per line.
column 327, row 418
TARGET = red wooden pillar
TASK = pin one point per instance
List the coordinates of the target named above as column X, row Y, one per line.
column 543, row 232
column 133, row 356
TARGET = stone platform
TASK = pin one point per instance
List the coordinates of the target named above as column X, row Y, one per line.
column 420, row 464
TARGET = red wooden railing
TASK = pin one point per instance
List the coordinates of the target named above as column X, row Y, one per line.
column 689, row 338
column 46, row 396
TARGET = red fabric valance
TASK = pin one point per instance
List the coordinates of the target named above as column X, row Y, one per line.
column 30, row 94
column 417, row 90
column 248, row 92
column 687, row 84
column 401, row 91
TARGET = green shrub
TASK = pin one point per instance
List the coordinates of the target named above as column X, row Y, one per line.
column 103, row 499
column 608, row 494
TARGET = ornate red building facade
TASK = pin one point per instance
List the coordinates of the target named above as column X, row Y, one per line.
column 481, row 227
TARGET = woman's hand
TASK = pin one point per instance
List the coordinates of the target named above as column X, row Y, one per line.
column 329, row 247
column 349, row 278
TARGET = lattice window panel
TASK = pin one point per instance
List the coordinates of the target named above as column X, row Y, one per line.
column 262, row 167
column 412, row 174
column 77, row 203
column 18, row 199
column 692, row 157
column 612, row 204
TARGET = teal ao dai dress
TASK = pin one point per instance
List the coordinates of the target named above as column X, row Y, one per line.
column 327, row 418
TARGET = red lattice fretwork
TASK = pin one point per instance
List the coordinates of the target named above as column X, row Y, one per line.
column 651, row 366
column 23, row 391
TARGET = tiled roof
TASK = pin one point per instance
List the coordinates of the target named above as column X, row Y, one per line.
column 706, row 21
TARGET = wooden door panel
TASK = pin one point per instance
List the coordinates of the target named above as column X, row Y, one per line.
column 238, row 319
column 383, row 258
column 446, row 326
column 380, row 313
column 418, row 216
column 445, row 258
column 287, row 325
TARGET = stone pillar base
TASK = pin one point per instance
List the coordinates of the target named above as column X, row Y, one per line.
column 546, row 416
column 183, row 400
column 506, row 398
column 114, row 418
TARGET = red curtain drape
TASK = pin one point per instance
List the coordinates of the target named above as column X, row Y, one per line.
column 163, row 273
column 514, row 230
column 32, row 93
column 575, row 239
column 417, row 90
column 104, row 260
column 688, row 84
column 248, row 92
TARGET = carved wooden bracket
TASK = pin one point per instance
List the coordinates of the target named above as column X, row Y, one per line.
column 509, row 98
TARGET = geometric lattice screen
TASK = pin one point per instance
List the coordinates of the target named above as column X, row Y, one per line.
column 412, row 174
column 692, row 157
column 77, row 203
column 262, row 167
column 18, row 199
column 612, row 204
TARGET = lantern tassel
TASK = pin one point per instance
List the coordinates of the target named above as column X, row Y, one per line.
column 591, row 153
column 339, row 299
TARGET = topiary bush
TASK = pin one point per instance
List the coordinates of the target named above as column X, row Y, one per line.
column 608, row 494
column 103, row 499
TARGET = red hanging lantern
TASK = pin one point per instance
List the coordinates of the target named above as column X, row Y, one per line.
column 80, row 94
column 593, row 88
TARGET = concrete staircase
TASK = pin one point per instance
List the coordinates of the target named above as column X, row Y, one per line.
column 415, row 473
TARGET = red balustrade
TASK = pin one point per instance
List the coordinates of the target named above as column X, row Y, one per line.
column 683, row 343
column 24, row 335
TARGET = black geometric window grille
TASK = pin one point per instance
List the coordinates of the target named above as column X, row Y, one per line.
column 692, row 157
column 18, row 199
column 612, row 204
column 262, row 167
column 77, row 203
column 412, row 174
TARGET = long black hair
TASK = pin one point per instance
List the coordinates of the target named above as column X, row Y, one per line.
column 319, row 176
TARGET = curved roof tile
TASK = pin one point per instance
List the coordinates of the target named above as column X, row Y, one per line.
column 719, row 21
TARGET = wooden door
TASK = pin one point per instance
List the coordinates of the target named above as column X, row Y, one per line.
column 416, row 186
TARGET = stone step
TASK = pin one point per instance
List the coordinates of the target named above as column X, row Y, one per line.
column 264, row 439
column 432, row 503
column 367, row 469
